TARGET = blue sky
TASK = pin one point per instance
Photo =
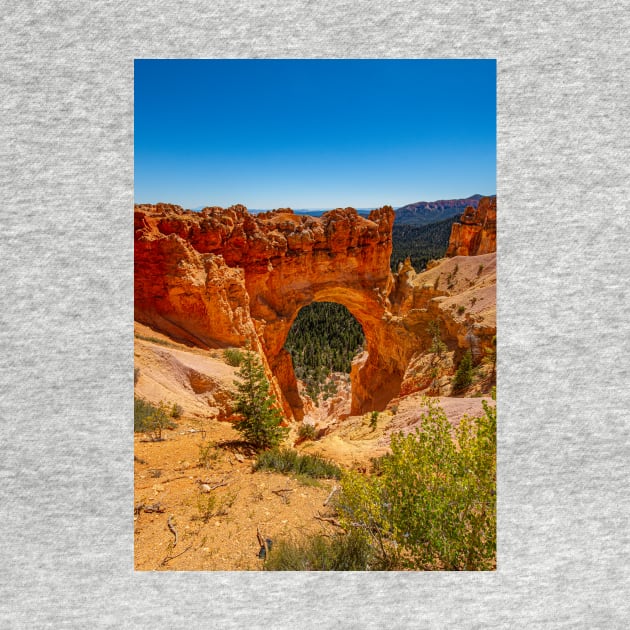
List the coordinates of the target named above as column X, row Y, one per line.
column 313, row 133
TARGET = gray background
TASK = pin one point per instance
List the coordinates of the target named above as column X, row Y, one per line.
column 66, row 169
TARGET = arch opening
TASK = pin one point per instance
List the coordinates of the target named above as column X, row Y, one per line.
column 322, row 342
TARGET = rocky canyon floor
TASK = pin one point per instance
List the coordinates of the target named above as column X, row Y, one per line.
column 198, row 503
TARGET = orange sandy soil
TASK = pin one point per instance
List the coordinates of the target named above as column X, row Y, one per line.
column 227, row 541
column 172, row 473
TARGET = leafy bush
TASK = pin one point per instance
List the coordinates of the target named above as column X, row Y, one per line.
column 233, row 357
column 433, row 505
column 377, row 463
column 307, row 431
column 350, row 552
column 176, row 411
column 373, row 420
column 464, row 374
column 209, row 506
column 208, row 454
column 287, row 461
column 149, row 419
column 141, row 411
column 261, row 420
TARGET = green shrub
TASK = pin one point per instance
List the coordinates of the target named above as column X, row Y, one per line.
column 460, row 309
column 208, row 454
column 437, row 345
column 261, row 420
column 176, row 411
column 377, row 463
column 233, row 357
column 464, row 374
column 351, row 552
column 307, row 431
column 209, row 506
column 141, row 411
column 149, row 419
column 373, row 420
column 491, row 356
column 434, row 504
column 287, row 461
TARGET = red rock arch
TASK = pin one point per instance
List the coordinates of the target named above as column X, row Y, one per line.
column 225, row 277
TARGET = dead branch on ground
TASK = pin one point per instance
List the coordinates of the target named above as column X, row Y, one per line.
column 282, row 495
column 331, row 495
column 263, row 541
column 213, row 485
column 142, row 507
column 169, row 558
column 172, row 528
column 329, row 519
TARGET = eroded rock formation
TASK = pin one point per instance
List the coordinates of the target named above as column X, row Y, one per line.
column 476, row 232
column 224, row 277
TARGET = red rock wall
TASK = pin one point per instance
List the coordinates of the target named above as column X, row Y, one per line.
column 225, row 277
column 476, row 233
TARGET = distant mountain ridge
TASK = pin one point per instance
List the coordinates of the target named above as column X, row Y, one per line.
column 425, row 212
column 417, row 214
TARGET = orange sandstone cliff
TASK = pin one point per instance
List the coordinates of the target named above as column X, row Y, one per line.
column 224, row 277
column 476, row 232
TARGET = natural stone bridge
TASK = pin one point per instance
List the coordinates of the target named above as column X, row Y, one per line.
column 223, row 277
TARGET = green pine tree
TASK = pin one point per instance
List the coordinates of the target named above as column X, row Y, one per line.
column 464, row 374
column 261, row 420
column 437, row 345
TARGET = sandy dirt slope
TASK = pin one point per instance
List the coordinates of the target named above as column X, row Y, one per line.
column 353, row 442
column 198, row 380
column 200, row 480
column 216, row 528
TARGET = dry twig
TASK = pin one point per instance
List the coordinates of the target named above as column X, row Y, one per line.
column 263, row 541
column 172, row 528
column 282, row 495
column 213, row 485
column 174, row 479
column 331, row 495
column 329, row 519
column 163, row 481
column 142, row 507
column 169, row 558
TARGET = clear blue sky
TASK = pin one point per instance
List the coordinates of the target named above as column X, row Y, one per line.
column 313, row 133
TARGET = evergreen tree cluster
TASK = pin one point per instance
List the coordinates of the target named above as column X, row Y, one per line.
column 420, row 243
column 323, row 339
